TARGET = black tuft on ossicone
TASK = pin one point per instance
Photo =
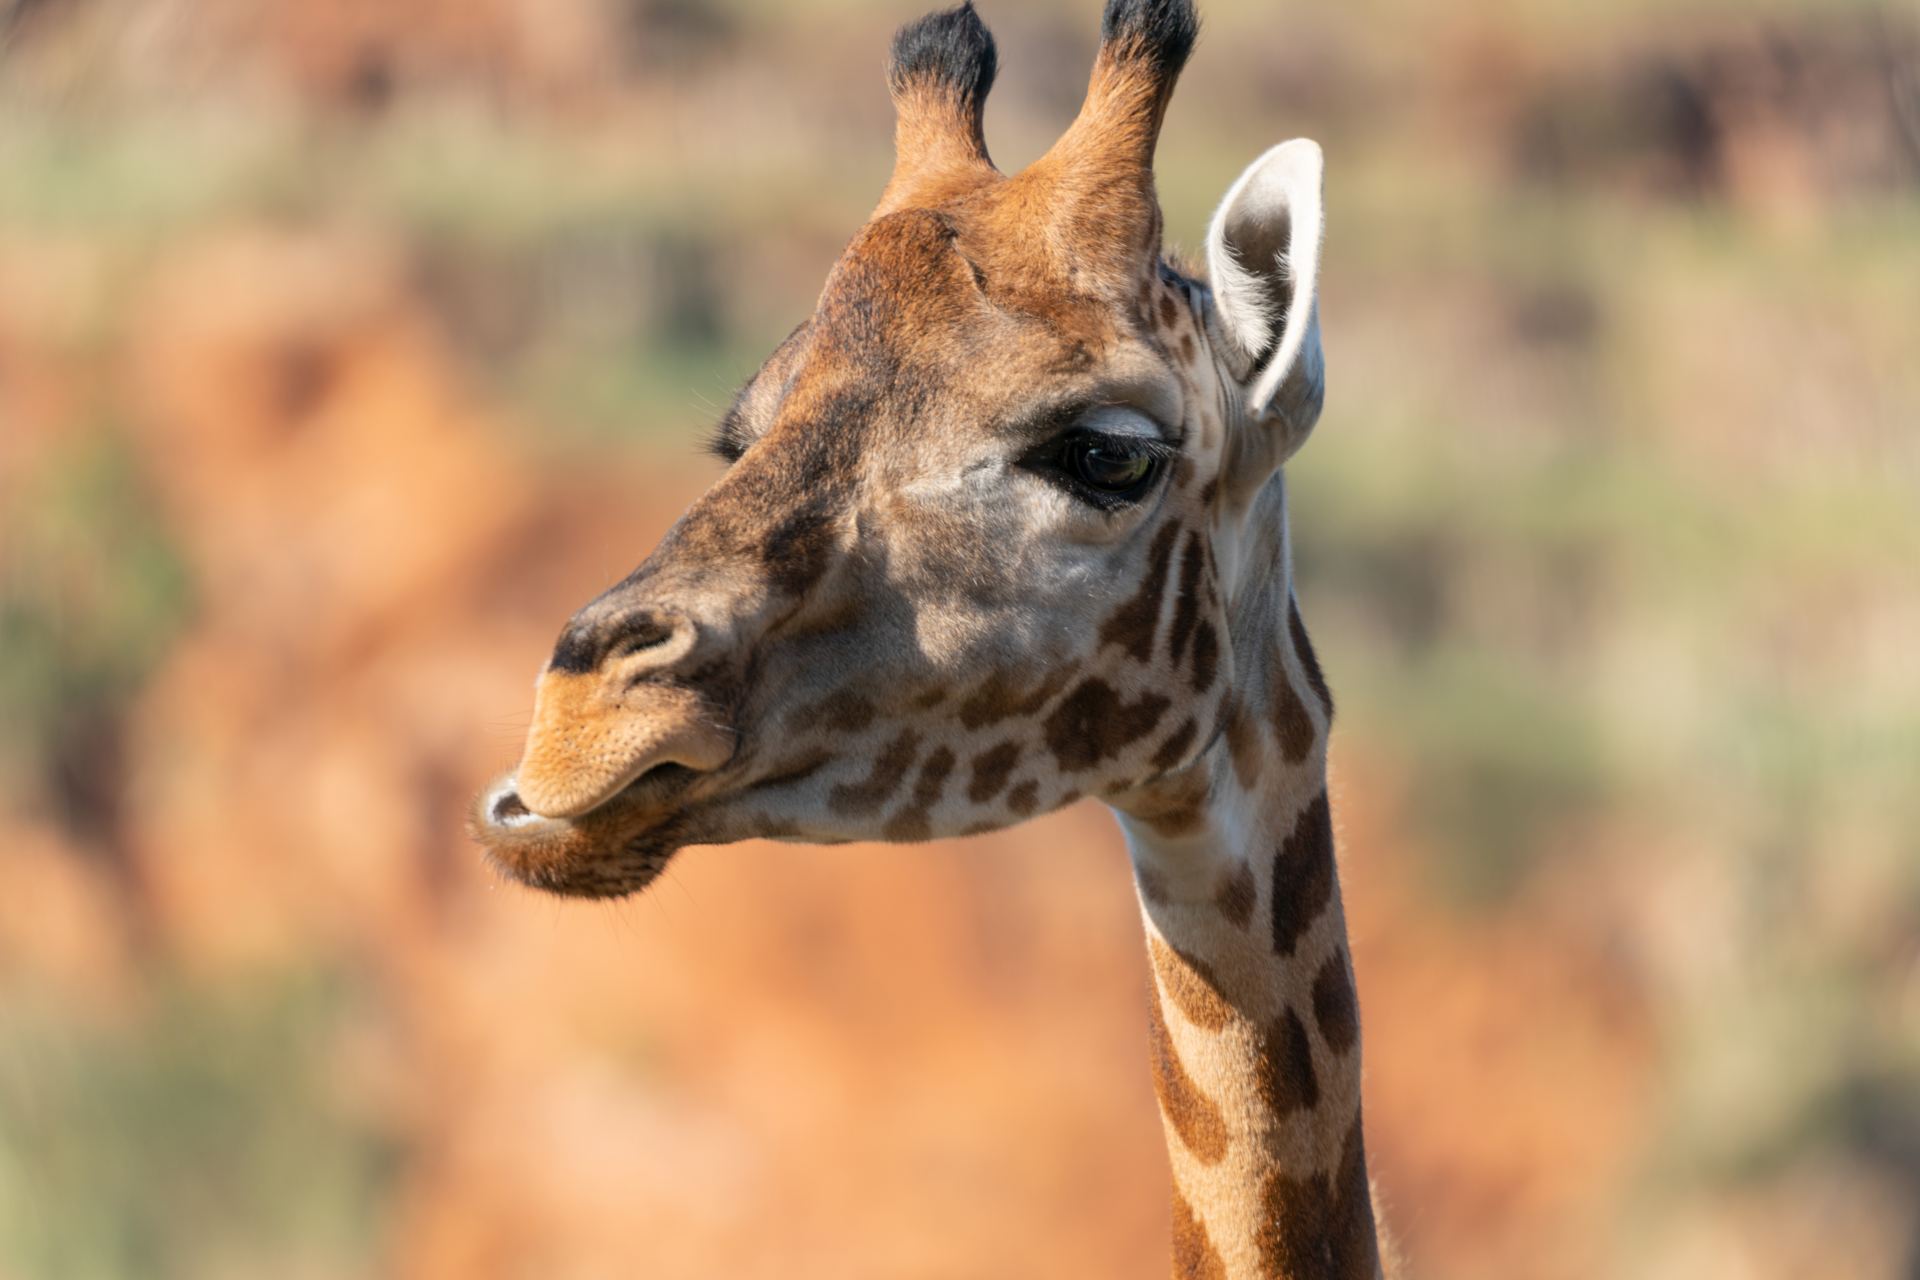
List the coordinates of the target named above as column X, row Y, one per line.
column 1162, row 30
column 951, row 48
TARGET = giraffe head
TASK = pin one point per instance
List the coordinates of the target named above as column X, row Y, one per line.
column 986, row 511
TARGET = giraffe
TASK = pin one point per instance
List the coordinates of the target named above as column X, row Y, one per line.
column 1004, row 524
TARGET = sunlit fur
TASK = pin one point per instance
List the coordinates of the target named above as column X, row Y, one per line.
column 889, row 620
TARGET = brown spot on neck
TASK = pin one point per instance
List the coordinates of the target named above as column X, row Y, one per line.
column 1243, row 746
column 1334, row 1007
column 1287, row 1080
column 1206, row 656
column 1174, row 749
column 1303, row 875
column 1193, row 1115
column 1190, row 984
column 1174, row 804
column 1319, row 1227
column 1194, row 1257
column 1309, row 662
column 1290, row 718
column 1237, row 896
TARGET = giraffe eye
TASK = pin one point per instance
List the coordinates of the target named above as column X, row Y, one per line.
column 1103, row 470
column 1109, row 464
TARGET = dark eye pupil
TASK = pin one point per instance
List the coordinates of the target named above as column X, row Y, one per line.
column 1107, row 466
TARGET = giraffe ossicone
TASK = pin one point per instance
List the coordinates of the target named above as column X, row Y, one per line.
column 1003, row 524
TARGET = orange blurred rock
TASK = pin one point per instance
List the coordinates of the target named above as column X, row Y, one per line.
column 51, row 291
column 63, row 933
column 358, row 53
column 302, row 426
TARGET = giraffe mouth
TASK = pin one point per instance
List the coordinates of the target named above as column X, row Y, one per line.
column 615, row 848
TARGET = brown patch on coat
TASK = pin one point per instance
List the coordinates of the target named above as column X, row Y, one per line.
column 1191, row 985
column 842, row 711
column 1134, row 625
column 1095, row 723
column 1356, row 1246
column 998, row 698
column 1237, row 896
column 1173, row 804
column 1309, row 662
column 915, row 821
column 1243, row 746
column 1290, row 719
column 1334, row 1005
column 1303, row 875
column 1194, row 1257
column 992, row 770
column 1186, row 611
column 1174, row 749
column 1024, row 799
column 889, row 770
column 1206, row 656
column 1322, row 1227
column 1193, row 1116
column 1285, row 1066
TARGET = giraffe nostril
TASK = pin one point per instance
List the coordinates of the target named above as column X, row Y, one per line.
column 637, row 635
column 508, row 808
column 588, row 643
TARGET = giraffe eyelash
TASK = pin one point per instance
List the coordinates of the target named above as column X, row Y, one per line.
column 727, row 441
column 1064, row 462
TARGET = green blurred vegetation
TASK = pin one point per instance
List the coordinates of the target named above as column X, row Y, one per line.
column 91, row 595
column 206, row 1137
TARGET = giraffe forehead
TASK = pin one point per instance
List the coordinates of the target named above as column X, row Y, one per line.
column 926, row 287
column 898, row 282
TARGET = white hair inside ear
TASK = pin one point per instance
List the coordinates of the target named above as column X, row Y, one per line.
column 1263, row 253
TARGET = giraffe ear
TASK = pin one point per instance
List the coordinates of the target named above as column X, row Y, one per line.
column 1263, row 252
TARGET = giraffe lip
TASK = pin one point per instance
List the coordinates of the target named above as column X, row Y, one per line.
column 503, row 810
column 533, row 847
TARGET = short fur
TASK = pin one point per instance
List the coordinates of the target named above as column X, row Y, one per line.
column 897, row 617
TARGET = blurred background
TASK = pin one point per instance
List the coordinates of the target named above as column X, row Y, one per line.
column 347, row 346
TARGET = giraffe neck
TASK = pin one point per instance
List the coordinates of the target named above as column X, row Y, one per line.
column 1254, row 1024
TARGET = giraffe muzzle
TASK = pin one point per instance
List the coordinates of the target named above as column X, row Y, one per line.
column 594, row 735
column 608, row 762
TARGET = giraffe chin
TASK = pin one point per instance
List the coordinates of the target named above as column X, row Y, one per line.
column 617, row 848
